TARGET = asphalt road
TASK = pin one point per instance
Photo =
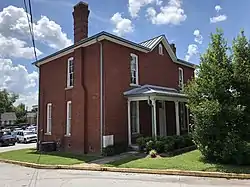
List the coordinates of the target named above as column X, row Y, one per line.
column 17, row 146
column 16, row 176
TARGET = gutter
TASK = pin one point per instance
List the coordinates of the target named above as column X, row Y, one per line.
column 101, row 93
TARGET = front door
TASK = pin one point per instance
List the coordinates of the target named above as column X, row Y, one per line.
column 162, row 118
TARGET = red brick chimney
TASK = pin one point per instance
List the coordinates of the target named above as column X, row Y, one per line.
column 80, row 16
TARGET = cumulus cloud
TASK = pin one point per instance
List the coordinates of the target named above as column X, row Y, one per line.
column 17, row 79
column 12, row 47
column 134, row 6
column 13, row 23
column 192, row 50
column 217, row 8
column 171, row 14
column 122, row 25
column 219, row 17
column 198, row 37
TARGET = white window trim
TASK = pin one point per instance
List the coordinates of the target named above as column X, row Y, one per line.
column 137, row 71
column 68, row 73
column 137, row 118
column 68, row 125
column 160, row 49
column 49, row 119
column 181, row 83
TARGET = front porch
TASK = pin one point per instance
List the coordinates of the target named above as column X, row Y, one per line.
column 156, row 111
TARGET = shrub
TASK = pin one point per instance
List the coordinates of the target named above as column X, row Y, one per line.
column 120, row 147
column 159, row 146
column 141, row 142
column 188, row 140
column 169, row 144
column 150, row 145
column 153, row 153
column 108, row 151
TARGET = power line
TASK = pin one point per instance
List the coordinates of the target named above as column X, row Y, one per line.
column 30, row 23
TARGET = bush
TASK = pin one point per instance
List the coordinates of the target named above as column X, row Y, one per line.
column 108, row 151
column 164, row 144
column 117, row 148
column 153, row 153
column 141, row 142
column 150, row 145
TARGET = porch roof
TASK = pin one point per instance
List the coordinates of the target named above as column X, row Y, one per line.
column 153, row 90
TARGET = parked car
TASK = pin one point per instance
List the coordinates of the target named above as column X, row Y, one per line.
column 6, row 138
column 26, row 136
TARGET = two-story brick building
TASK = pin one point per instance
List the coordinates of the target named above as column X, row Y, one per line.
column 104, row 89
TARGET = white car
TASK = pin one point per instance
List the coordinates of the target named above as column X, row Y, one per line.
column 26, row 136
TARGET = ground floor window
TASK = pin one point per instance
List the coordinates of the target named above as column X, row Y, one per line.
column 135, row 117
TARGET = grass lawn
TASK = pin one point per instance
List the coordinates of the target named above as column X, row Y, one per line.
column 53, row 158
column 188, row 161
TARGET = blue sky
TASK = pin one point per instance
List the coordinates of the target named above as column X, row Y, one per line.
column 179, row 20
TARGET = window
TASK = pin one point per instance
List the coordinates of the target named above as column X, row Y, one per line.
column 183, row 116
column 70, row 72
column 134, row 69
column 160, row 49
column 181, row 81
column 49, row 117
column 68, row 125
column 135, row 117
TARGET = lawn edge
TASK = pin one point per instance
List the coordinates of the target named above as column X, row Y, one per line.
column 90, row 167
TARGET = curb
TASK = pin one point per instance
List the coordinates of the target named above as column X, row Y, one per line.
column 132, row 170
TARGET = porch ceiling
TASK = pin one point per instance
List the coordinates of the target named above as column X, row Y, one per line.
column 152, row 90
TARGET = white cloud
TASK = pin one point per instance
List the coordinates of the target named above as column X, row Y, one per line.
column 198, row 37
column 13, row 23
column 122, row 25
column 192, row 50
column 218, row 18
column 134, row 6
column 171, row 14
column 12, row 47
column 217, row 8
column 17, row 79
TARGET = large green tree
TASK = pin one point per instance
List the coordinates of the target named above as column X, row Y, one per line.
column 6, row 101
column 213, row 100
column 21, row 113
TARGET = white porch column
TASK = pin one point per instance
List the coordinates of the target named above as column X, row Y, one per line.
column 154, row 130
column 177, row 119
column 129, row 124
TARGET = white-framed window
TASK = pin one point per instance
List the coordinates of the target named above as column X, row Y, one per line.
column 68, row 124
column 181, row 79
column 134, row 69
column 160, row 48
column 49, row 118
column 135, row 122
column 70, row 72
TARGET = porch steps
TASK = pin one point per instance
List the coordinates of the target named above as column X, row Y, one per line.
column 134, row 147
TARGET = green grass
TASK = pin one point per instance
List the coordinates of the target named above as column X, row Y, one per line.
column 53, row 158
column 188, row 161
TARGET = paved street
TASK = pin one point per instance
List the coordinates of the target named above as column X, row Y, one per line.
column 17, row 146
column 16, row 176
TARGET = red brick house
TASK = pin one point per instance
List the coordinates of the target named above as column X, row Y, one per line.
column 104, row 89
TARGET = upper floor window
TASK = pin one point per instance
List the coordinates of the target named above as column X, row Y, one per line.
column 49, row 118
column 134, row 69
column 181, row 79
column 160, row 49
column 70, row 72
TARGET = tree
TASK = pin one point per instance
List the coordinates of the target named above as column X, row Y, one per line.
column 213, row 102
column 21, row 113
column 6, row 101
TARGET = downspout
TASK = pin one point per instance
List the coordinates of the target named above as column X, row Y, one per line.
column 101, row 94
